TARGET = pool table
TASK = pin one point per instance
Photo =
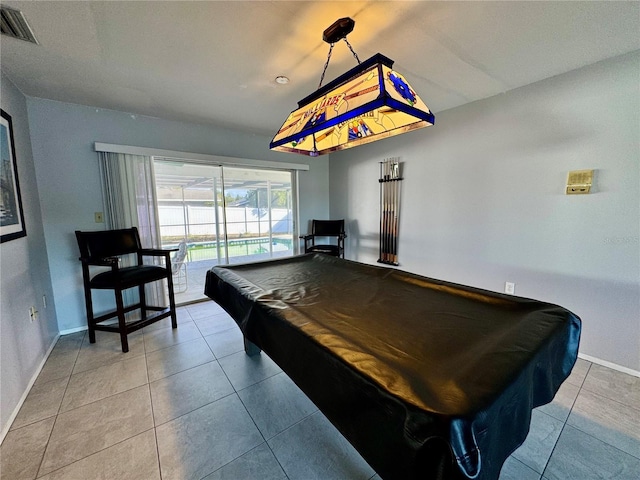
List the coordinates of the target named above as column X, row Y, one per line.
column 427, row 379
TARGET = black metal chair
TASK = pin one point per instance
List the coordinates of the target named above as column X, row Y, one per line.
column 327, row 230
column 104, row 249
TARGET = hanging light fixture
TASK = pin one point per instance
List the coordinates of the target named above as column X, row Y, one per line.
column 368, row 103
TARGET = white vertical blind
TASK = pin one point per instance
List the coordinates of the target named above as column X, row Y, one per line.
column 130, row 201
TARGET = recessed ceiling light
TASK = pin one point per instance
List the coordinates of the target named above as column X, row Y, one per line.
column 282, row 80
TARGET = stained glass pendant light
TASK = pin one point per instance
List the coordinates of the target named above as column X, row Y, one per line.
column 368, row 103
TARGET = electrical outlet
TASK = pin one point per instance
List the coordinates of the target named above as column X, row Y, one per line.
column 99, row 217
column 510, row 288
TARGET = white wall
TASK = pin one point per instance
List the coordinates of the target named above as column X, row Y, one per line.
column 484, row 203
column 68, row 177
column 24, row 278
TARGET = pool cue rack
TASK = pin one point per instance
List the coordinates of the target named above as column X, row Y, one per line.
column 390, row 183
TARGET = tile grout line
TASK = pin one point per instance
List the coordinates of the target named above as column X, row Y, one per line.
column 215, row 359
column 155, row 433
column 96, row 400
column 554, row 450
column 609, row 399
column 575, row 427
column 235, row 392
column 564, row 424
column 153, row 417
column 277, row 459
column 55, row 420
column 266, row 442
column 96, row 452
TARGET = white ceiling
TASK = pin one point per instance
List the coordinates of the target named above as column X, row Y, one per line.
column 215, row 61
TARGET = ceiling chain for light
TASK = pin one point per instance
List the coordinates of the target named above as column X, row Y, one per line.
column 336, row 32
column 326, row 64
column 352, row 51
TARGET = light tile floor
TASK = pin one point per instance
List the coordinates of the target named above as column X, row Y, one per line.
column 189, row 404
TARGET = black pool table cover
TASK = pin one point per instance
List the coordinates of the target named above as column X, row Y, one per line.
column 425, row 378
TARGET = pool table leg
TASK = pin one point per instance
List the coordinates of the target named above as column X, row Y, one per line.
column 251, row 348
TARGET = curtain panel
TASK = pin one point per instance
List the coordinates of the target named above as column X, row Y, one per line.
column 130, row 201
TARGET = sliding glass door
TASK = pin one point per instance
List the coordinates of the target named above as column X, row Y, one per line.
column 219, row 215
column 258, row 214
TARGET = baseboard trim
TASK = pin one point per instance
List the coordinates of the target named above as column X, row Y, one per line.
column 610, row 365
column 72, row 330
column 13, row 416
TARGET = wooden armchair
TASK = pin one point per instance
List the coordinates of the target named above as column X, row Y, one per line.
column 327, row 230
column 104, row 249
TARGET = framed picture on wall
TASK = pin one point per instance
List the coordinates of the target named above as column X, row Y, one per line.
column 11, row 214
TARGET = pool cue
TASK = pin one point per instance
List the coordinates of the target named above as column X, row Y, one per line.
column 390, row 213
column 399, row 202
column 324, row 135
column 394, row 233
column 381, row 212
column 396, row 217
column 397, row 207
column 390, row 228
column 386, row 233
column 387, row 211
column 398, row 186
column 384, row 211
column 381, row 209
column 393, row 189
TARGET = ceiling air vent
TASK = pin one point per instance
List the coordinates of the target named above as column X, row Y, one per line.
column 15, row 25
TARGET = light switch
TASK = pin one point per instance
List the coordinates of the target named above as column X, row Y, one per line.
column 99, row 216
column 579, row 182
